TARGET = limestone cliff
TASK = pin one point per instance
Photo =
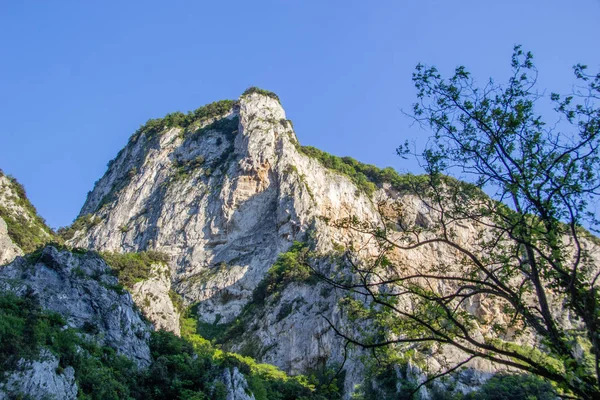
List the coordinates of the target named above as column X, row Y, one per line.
column 71, row 331
column 224, row 197
column 228, row 194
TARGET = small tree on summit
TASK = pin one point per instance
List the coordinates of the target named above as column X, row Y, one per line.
column 528, row 257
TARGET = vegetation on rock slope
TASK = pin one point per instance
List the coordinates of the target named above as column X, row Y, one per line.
column 289, row 267
column 179, row 119
column 132, row 268
column 366, row 177
column 182, row 368
column 28, row 232
column 254, row 89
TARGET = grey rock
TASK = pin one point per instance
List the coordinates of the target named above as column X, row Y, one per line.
column 223, row 223
column 152, row 297
column 82, row 289
column 8, row 250
column 236, row 384
column 39, row 379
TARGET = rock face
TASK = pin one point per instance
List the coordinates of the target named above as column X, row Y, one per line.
column 237, row 387
column 223, row 202
column 224, row 198
column 8, row 250
column 39, row 380
column 82, row 289
column 152, row 296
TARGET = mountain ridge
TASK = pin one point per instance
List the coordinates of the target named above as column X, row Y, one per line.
column 232, row 203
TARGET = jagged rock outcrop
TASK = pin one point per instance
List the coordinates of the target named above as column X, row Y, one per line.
column 8, row 249
column 39, row 379
column 153, row 297
column 82, row 289
column 224, row 200
column 21, row 229
column 223, row 197
column 236, row 385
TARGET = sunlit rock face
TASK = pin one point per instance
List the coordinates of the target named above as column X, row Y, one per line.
column 223, row 200
column 8, row 249
column 19, row 216
column 246, row 196
column 38, row 379
column 153, row 297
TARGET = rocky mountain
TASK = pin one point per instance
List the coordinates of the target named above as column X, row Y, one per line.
column 223, row 197
column 69, row 330
column 226, row 195
column 205, row 219
column 69, row 327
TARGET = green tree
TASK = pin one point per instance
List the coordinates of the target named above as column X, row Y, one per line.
column 526, row 190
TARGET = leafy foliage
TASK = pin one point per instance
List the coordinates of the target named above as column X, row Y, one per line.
column 185, row 367
column 266, row 381
column 179, row 119
column 254, row 89
column 526, row 252
column 290, row 267
column 82, row 223
column 25, row 329
column 514, row 387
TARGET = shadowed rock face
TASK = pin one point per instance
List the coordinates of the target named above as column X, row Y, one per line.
column 237, row 387
column 81, row 288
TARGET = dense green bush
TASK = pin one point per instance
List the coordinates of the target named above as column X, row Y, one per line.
column 179, row 119
column 254, row 89
column 131, row 268
column 82, row 223
column 290, row 267
column 22, row 329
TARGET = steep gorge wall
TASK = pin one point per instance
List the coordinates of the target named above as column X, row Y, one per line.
column 224, row 197
column 223, row 204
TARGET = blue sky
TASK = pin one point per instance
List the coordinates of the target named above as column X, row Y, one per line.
column 77, row 78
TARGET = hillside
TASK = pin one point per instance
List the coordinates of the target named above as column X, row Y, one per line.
column 206, row 221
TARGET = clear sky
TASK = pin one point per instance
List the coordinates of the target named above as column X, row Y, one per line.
column 77, row 78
